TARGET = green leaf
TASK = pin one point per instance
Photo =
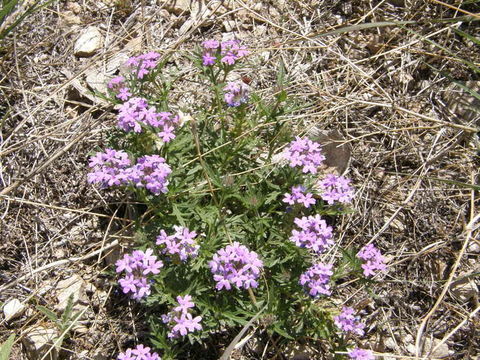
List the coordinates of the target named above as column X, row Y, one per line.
column 68, row 311
column 7, row 9
column 282, row 332
column 48, row 313
column 468, row 36
column 6, row 348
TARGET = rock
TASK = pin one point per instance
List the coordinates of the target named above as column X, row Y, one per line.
column 336, row 151
column 96, row 80
column 38, row 342
column 295, row 351
column 69, row 18
column 464, row 289
column 13, row 309
column 74, row 6
column 72, row 286
column 229, row 25
column 442, row 352
column 180, row 6
column 89, row 42
column 391, row 344
column 474, row 247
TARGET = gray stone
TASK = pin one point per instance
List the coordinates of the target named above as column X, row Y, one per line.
column 72, row 286
column 464, row 289
column 39, row 341
column 180, row 6
column 337, row 152
column 89, row 42
column 13, row 309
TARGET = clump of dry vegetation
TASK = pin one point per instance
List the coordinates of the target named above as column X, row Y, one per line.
column 398, row 79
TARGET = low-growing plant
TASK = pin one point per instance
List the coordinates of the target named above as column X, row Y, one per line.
column 236, row 222
column 6, row 347
column 65, row 322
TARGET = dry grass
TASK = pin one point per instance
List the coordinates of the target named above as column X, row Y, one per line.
column 374, row 85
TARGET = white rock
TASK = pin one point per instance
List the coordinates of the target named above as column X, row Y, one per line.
column 13, row 309
column 89, row 42
column 73, row 285
column 474, row 247
column 38, row 341
column 229, row 25
column 180, row 6
column 442, row 352
column 69, row 18
column 391, row 344
column 96, row 80
column 464, row 289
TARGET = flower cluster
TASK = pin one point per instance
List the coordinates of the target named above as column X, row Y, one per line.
column 180, row 320
column 136, row 267
column 335, row 188
column 348, row 322
column 150, row 172
column 304, row 153
column 135, row 114
column 139, row 353
column 181, row 244
column 236, row 93
column 117, row 86
column 114, row 168
column 108, row 168
column 315, row 234
column 142, row 64
column 315, row 280
column 360, row 354
column 228, row 51
column 235, row 265
column 374, row 260
column 298, row 196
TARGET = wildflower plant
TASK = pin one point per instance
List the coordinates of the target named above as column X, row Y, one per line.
column 226, row 231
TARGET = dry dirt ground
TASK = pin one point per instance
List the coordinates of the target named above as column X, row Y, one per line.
column 387, row 88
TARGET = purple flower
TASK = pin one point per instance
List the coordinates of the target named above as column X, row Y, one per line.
column 348, row 322
column 304, row 153
column 142, row 64
column 315, row 280
column 235, row 265
column 180, row 321
column 229, row 51
column 360, row 354
column 137, row 266
column 150, row 172
column 298, row 197
column 139, row 353
column 142, row 352
column 236, row 93
column 211, row 44
column 208, row 59
column 182, row 243
column 117, row 86
column 108, row 168
column 131, row 115
column 136, row 114
column 374, row 260
column 127, row 355
column 335, row 188
column 314, row 234
column 184, row 303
